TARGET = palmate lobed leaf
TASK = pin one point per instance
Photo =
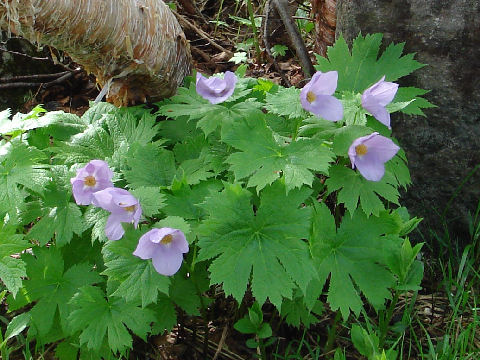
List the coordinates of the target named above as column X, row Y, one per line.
column 96, row 317
column 266, row 243
column 150, row 166
column 353, row 190
column 363, row 67
column 285, row 102
column 263, row 159
column 52, row 286
column 21, row 168
column 208, row 116
column 61, row 218
column 352, row 257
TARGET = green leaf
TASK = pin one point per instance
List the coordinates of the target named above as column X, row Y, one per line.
column 166, row 315
column 25, row 122
column 419, row 103
column 365, row 343
column 245, row 326
column 209, row 116
column 353, row 188
column 96, row 218
column 138, row 279
column 96, row 318
column 17, row 325
column 93, row 143
column 195, row 171
column 150, row 166
column 267, row 243
column 20, row 169
column 97, row 112
column 286, row 102
column 11, row 243
column 52, row 287
column 184, row 293
column 66, row 351
column 61, row 218
column 295, row 312
column 362, row 67
column 183, row 200
column 263, row 160
column 352, row 257
column 11, row 273
column 265, row 331
column 150, row 199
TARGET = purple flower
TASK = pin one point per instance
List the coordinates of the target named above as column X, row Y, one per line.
column 376, row 97
column 95, row 176
column 316, row 96
column 214, row 89
column 370, row 153
column 123, row 207
column 165, row 247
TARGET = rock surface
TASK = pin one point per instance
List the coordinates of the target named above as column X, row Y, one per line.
column 443, row 148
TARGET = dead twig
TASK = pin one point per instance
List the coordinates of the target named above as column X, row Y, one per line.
column 12, row 83
column 32, row 77
column 221, row 342
column 184, row 22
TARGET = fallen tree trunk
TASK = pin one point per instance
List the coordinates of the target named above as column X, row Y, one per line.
column 135, row 48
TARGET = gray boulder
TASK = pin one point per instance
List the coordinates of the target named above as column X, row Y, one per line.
column 443, row 148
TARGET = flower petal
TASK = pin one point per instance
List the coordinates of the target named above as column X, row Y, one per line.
column 382, row 147
column 214, row 89
column 370, row 170
column 380, row 113
column 324, row 83
column 113, row 228
column 327, row 107
column 379, row 149
column 81, row 196
column 167, row 260
column 179, row 241
column 146, row 248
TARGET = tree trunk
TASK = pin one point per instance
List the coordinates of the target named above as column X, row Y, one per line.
column 325, row 24
column 135, row 48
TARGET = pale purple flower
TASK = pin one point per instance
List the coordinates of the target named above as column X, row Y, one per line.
column 123, row 207
column 376, row 97
column 370, row 153
column 317, row 96
column 165, row 247
column 214, row 89
column 94, row 176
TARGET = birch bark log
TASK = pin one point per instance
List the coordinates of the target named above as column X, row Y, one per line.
column 135, row 47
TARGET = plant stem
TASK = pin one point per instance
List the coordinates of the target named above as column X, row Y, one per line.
column 332, row 333
column 386, row 320
column 255, row 31
column 261, row 347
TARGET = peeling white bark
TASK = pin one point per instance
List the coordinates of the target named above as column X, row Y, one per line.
column 136, row 45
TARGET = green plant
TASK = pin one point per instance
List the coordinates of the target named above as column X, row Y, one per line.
column 253, row 324
column 263, row 190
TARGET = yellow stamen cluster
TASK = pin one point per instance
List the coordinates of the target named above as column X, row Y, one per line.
column 167, row 239
column 90, row 180
column 130, row 208
column 311, row 97
column 361, row 149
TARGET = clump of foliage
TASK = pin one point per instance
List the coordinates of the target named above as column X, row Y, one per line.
column 263, row 191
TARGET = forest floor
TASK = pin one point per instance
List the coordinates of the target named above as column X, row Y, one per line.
column 218, row 31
